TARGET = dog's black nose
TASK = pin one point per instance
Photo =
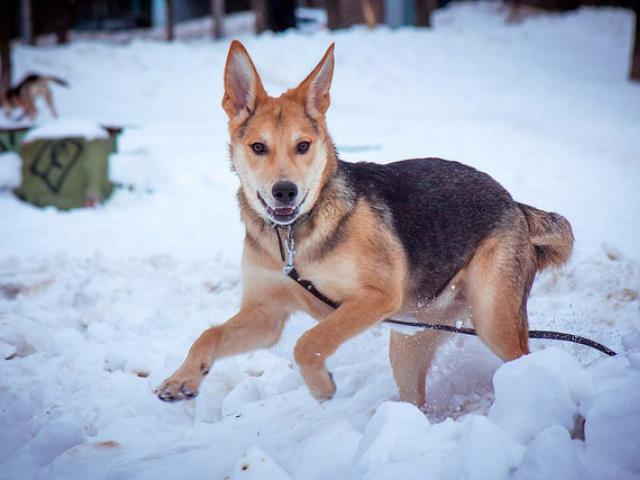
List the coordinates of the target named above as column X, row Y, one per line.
column 285, row 191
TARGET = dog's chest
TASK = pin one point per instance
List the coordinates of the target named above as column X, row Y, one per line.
column 336, row 276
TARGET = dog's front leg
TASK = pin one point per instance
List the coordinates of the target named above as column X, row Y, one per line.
column 252, row 328
column 351, row 318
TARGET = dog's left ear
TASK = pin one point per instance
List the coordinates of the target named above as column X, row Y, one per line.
column 314, row 90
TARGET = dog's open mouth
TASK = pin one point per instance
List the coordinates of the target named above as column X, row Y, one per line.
column 281, row 215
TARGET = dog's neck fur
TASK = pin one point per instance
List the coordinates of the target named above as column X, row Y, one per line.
column 318, row 231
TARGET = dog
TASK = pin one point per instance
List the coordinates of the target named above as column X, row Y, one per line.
column 24, row 95
column 431, row 238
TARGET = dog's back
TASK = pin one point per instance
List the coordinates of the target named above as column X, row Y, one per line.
column 442, row 210
column 23, row 95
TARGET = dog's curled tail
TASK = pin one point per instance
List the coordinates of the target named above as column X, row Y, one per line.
column 60, row 81
column 551, row 235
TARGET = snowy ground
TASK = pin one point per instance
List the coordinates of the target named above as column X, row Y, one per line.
column 98, row 306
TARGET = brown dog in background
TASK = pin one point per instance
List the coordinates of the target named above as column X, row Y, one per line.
column 24, row 95
column 431, row 238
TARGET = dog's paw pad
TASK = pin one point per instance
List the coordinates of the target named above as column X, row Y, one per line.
column 189, row 393
column 174, row 391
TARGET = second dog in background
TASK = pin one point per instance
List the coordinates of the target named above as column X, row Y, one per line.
column 25, row 93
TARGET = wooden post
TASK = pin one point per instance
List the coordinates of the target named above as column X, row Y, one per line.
column 63, row 22
column 634, row 73
column 5, row 54
column 260, row 9
column 27, row 22
column 217, row 12
column 368, row 13
column 169, row 20
column 423, row 12
column 333, row 14
column 5, row 65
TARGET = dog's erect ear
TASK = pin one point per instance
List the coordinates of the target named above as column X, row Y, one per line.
column 315, row 88
column 242, row 85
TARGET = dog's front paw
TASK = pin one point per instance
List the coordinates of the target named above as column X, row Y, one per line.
column 324, row 388
column 178, row 387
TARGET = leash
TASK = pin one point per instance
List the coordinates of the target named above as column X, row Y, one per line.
column 290, row 271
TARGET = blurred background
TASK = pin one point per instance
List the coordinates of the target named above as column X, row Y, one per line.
column 120, row 237
column 62, row 19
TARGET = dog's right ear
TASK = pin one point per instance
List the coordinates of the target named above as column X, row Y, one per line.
column 242, row 85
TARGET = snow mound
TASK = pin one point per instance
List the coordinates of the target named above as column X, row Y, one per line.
column 66, row 128
column 399, row 442
column 541, row 400
column 537, row 391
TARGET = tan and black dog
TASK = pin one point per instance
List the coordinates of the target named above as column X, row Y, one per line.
column 24, row 95
column 427, row 237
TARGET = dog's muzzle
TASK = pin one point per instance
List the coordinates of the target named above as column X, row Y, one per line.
column 281, row 214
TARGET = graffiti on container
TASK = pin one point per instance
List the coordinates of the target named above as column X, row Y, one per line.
column 54, row 160
column 8, row 141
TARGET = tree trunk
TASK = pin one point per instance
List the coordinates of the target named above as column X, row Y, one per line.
column 281, row 15
column 217, row 12
column 5, row 54
column 334, row 20
column 27, row 22
column 169, row 20
column 423, row 12
column 368, row 13
column 63, row 22
column 260, row 9
column 634, row 73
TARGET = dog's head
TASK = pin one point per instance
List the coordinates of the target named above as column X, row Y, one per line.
column 280, row 147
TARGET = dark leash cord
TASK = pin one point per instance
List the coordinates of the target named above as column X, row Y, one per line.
column 291, row 272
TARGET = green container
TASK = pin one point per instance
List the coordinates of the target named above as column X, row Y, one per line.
column 65, row 172
column 10, row 138
column 114, row 133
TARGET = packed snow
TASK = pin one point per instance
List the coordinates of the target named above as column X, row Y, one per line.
column 98, row 306
column 66, row 129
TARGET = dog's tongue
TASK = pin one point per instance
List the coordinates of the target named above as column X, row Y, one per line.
column 284, row 211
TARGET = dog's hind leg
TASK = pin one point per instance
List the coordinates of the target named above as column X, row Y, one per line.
column 411, row 357
column 499, row 279
column 49, row 99
column 6, row 107
column 30, row 110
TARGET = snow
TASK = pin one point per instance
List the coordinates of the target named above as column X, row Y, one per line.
column 10, row 175
column 98, row 306
column 517, row 394
column 255, row 464
column 399, row 442
column 66, row 128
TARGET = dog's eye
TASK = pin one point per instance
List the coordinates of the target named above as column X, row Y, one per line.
column 259, row 148
column 302, row 147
